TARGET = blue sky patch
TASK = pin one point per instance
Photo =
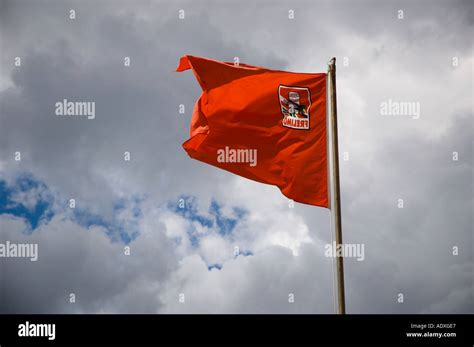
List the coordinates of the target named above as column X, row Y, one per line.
column 117, row 227
column 36, row 210
column 32, row 200
column 214, row 266
column 187, row 207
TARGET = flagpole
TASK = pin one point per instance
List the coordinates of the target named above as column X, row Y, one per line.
column 336, row 197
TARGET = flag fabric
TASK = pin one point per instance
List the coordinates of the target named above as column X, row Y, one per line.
column 266, row 125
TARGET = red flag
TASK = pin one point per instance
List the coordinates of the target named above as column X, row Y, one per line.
column 265, row 125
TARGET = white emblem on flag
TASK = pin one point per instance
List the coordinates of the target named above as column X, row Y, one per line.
column 295, row 103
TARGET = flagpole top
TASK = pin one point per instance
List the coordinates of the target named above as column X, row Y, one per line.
column 332, row 64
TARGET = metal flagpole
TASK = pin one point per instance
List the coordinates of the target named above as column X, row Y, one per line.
column 336, row 197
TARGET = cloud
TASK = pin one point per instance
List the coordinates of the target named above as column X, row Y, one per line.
column 81, row 253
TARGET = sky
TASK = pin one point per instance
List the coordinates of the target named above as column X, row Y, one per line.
column 181, row 220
